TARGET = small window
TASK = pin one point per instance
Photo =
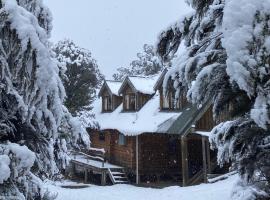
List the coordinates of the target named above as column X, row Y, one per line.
column 107, row 104
column 165, row 102
column 122, row 140
column 102, row 136
column 130, row 101
column 168, row 101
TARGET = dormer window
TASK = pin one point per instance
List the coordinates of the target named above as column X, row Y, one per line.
column 129, row 102
column 167, row 101
column 106, row 103
column 110, row 97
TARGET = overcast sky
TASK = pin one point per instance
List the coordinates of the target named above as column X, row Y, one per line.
column 113, row 30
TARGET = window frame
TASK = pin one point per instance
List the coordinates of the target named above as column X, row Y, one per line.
column 102, row 136
column 107, row 103
column 130, row 102
column 122, row 139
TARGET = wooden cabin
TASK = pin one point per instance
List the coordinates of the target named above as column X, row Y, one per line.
column 154, row 135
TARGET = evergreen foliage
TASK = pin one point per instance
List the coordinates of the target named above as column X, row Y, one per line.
column 81, row 75
column 36, row 130
column 227, row 60
column 146, row 64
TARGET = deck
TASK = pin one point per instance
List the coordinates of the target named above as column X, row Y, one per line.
column 95, row 162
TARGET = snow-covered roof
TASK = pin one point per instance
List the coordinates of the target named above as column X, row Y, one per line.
column 149, row 119
column 114, row 86
column 141, row 84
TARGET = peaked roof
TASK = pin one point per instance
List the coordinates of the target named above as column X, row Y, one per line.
column 114, row 86
column 140, row 84
column 149, row 119
column 111, row 86
column 190, row 116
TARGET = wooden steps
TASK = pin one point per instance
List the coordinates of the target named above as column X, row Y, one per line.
column 117, row 176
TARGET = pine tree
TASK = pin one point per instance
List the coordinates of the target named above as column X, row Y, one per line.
column 35, row 128
column 146, row 64
column 81, row 75
column 226, row 60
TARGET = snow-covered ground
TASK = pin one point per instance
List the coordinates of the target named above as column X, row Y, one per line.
column 217, row 191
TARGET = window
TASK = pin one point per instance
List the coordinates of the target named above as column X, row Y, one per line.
column 122, row 140
column 130, row 102
column 168, row 101
column 101, row 136
column 165, row 103
column 107, row 104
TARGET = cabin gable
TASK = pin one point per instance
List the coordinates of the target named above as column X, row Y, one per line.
column 110, row 101
column 168, row 100
column 132, row 99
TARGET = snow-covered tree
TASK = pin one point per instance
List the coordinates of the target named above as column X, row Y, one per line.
column 35, row 128
column 81, row 75
column 226, row 60
column 147, row 63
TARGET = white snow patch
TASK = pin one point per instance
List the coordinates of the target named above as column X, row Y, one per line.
column 220, row 190
column 144, row 85
column 114, row 86
column 4, row 168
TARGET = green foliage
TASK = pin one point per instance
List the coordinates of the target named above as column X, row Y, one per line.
column 81, row 75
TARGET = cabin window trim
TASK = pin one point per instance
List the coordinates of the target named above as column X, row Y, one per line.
column 101, row 136
column 168, row 101
column 122, row 139
column 171, row 102
column 107, row 103
column 130, row 102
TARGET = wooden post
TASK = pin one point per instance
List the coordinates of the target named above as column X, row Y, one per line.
column 137, row 160
column 208, row 156
column 103, row 177
column 85, row 175
column 204, row 160
column 184, row 160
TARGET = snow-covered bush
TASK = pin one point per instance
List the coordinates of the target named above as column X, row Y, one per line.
column 31, row 102
column 226, row 60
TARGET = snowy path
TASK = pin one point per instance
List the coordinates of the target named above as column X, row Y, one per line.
column 217, row 191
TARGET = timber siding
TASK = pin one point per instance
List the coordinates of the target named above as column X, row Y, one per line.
column 156, row 157
column 155, row 153
column 123, row 155
column 140, row 98
column 206, row 122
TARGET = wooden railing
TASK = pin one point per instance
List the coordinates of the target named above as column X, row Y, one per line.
column 199, row 175
column 91, row 154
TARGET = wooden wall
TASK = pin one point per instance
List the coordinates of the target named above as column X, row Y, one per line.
column 123, row 155
column 180, row 104
column 156, row 157
column 117, row 100
column 141, row 98
column 206, row 122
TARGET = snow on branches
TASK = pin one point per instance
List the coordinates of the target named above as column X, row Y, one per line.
column 31, row 101
column 226, row 60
